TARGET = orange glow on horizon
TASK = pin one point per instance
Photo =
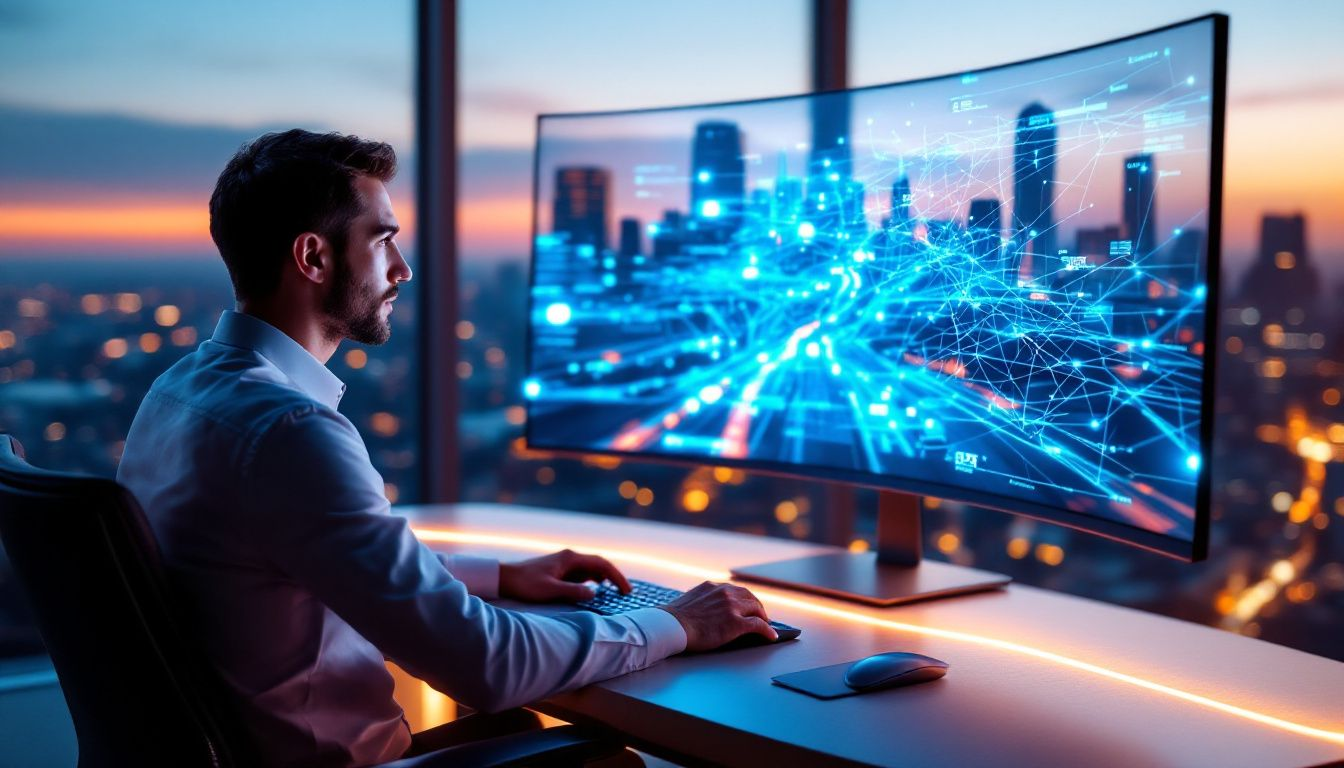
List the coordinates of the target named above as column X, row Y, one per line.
column 822, row 608
column 121, row 223
column 502, row 224
column 111, row 223
column 495, row 222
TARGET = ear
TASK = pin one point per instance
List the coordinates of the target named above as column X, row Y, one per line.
column 312, row 257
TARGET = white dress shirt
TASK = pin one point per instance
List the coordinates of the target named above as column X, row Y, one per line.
column 298, row 579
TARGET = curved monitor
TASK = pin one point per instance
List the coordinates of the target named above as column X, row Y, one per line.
column 990, row 286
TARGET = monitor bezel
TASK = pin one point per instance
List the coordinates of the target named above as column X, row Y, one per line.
column 1191, row 550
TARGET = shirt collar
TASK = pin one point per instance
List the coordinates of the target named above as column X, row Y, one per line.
column 312, row 377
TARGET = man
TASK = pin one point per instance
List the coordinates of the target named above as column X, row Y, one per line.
column 273, row 523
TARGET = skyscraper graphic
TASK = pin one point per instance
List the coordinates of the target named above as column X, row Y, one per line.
column 1095, row 244
column 630, row 247
column 830, row 135
column 1034, row 148
column 984, row 224
column 788, row 193
column 630, row 238
column 985, row 214
column 718, row 174
column 900, row 202
column 897, row 233
column 1140, row 212
column 582, row 199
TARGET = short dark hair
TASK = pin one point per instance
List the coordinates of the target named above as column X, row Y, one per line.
column 281, row 185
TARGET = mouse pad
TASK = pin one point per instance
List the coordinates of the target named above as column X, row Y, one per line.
column 822, row 682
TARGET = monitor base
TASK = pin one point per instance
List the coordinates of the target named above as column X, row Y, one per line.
column 860, row 578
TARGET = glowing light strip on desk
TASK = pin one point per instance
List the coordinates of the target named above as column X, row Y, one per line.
column 510, row 541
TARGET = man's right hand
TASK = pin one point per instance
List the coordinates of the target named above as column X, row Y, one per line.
column 713, row 614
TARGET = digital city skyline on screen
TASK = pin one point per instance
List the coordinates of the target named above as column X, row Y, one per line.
column 994, row 281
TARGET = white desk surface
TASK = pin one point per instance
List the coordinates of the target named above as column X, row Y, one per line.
column 1002, row 702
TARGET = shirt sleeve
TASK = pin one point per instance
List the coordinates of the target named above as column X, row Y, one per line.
column 479, row 574
column 321, row 517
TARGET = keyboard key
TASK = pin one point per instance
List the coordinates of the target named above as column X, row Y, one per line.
column 608, row 601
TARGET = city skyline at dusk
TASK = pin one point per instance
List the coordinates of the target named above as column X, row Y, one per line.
column 118, row 119
column 56, row 202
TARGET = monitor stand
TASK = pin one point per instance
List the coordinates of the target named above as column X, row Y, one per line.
column 892, row 575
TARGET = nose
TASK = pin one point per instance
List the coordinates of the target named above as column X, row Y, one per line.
column 401, row 271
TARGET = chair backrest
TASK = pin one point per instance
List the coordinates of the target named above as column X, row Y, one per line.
column 139, row 693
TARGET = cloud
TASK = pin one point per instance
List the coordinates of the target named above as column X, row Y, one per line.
column 495, row 172
column 50, row 156
column 1319, row 92
column 47, row 153
column 508, row 101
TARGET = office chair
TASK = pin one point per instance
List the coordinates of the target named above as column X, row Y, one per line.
column 139, row 692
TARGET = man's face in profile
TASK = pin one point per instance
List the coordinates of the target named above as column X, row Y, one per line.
column 359, row 304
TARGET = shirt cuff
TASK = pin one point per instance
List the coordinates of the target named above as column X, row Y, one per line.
column 479, row 574
column 663, row 634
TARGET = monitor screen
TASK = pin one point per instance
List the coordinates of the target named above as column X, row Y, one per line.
column 989, row 286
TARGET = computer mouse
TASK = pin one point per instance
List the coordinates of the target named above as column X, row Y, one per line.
column 887, row 670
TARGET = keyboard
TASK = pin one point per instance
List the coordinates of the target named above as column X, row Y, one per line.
column 609, row 601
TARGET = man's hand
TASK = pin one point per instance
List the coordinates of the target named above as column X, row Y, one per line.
column 713, row 614
column 557, row 577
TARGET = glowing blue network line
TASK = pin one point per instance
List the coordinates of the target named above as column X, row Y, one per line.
column 858, row 317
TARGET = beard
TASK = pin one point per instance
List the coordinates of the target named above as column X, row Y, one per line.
column 352, row 309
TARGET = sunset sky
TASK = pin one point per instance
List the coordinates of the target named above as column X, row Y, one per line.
column 116, row 117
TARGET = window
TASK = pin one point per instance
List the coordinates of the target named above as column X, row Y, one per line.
column 117, row 120
column 1276, row 566
column 584, row 56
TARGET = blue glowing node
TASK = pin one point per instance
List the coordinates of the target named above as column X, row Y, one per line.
column 558, row 313
column 795, row 290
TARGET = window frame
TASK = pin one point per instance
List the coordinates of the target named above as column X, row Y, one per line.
column 436, row 211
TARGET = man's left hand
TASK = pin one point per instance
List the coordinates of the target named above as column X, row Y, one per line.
column 557, row 577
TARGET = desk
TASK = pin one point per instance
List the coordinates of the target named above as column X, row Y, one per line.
column 1037, row 678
